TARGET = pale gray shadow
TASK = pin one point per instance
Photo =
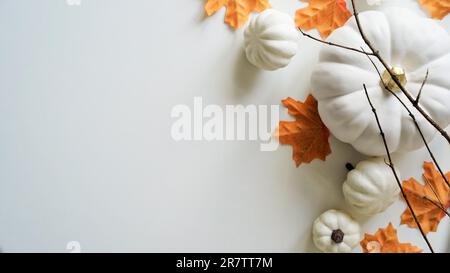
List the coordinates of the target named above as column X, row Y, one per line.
column 245, row 75
column 308, row 245
column 342, row 154
column 201, row 11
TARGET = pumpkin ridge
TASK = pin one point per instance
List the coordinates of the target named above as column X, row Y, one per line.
column 375, row 175
column 372, row 15
column 358, row 199
column 431, row 102
column 274, row 49
column 429, row 64
column 359, row 176
column 276, row 33
column 273, row 61
column 368, row 70
column 265, row 60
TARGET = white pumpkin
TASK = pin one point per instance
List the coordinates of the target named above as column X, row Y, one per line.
column 405, row 40
column 371, row 187
column 271, row 40
column 335, row 231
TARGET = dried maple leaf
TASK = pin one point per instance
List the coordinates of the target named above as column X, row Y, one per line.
column 324, row 15
column 385, row 240
column 437, row 8
column 425, row 199
column 307, row 134
column 237, row 10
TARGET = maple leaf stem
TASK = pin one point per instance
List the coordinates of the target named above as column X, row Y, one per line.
column 434, row 192
column 437, row 205
column 332, row 44
column 376, row 53
column 391, row 165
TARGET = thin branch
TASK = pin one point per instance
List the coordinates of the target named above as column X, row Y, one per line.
column 331, row 44
column 391, row 165
column 413, row 118
column 416, row 102
column 376, row 53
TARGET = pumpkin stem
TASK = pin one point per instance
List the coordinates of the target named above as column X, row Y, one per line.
column 390, row 83
column 349, row 167
column 337, row 236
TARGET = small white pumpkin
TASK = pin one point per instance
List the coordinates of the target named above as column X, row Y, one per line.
column 407, row 41
column 335, row 232
column 371, row 187
column 271, row 40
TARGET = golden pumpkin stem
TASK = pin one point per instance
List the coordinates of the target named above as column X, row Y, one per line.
column 390, row 83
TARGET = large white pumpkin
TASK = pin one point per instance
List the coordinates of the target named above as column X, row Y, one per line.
column 405, row 40
column 271, row 40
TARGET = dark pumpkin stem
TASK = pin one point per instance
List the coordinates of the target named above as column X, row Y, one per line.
column 349, row 167
column 337, row 236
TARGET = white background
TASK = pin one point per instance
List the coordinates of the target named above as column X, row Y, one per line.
column 86, row 153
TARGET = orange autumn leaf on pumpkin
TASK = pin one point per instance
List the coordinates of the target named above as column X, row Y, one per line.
column 237, row 10
column 438, row 9
column 324, row 15
column 385, row 240
column 307, row 134
column 425, row 199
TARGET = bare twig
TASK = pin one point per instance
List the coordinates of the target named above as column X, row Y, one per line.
column 376, row 53
column 413, row 118
column 332, row 44
column 391, row 165
column 416, row 102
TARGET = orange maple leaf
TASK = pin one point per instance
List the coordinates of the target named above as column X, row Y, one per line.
column 437, row 8
column 385, row 240
column 324, row 15
column 307, row 134
column 425, row 199
column 237, row 10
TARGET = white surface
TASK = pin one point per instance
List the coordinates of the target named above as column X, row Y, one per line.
column 86, row 154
